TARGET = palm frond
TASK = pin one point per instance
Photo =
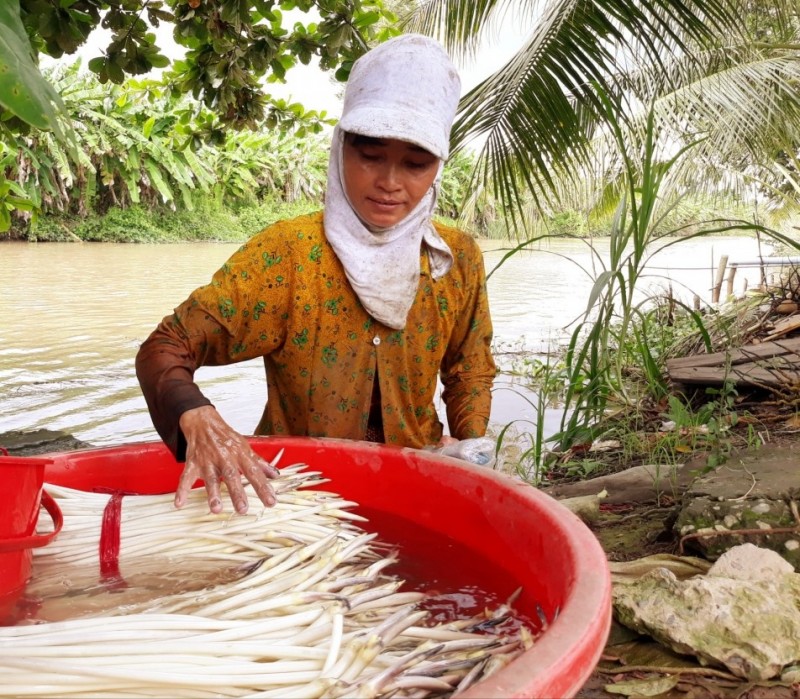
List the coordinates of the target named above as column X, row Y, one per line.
column 537, row 114
column 459, row 25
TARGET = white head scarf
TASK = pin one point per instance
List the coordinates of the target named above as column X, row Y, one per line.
column 407, row 89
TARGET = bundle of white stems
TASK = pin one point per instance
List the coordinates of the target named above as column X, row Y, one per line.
column 308, row 611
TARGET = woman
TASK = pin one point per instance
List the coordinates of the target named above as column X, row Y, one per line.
column 356, row 310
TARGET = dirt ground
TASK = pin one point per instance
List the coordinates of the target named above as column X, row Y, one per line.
column 639, row 528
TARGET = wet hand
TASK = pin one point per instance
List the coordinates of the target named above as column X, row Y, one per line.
column 216, row 453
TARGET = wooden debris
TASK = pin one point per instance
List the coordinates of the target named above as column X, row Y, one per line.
column 773, row 364
column 783, row 327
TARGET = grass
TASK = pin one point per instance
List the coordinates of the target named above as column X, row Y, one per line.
column 610, row 378
column 661, row 429
column 208, row 221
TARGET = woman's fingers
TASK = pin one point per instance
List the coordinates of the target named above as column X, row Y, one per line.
column 235, row 463
column 218, row 454
column 259, row 475
column 233, row 480
column 211, row 480
column 189, row 475
column 257, row 471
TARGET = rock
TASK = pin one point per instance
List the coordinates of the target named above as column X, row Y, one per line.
column 637, row 484
column 587, row 507
column 751, row 492
column 30, row 442
column 750, row 562
column 751, row 628
column 791, row 675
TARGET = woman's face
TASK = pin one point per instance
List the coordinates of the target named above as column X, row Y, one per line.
column 386, row 178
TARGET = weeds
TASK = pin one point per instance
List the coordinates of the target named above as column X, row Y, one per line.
column 208, row 221
column 546, row 378
column 661, row 428
column 616, row 354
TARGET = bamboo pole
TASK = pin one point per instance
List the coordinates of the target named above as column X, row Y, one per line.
column 723, row 263
column 731, row 275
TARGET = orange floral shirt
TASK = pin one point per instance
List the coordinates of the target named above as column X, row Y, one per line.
column 284, row 296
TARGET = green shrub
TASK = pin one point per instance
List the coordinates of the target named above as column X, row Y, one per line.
column 568, row 222
column 51, row 229
column 132, row 225
column 207, row 222
column 255, row 218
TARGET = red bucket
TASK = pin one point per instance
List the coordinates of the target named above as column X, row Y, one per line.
column 21, row 496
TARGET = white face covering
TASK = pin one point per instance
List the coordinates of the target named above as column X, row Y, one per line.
column 405, row 89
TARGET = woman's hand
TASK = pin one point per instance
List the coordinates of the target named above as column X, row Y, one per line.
column 216, row 453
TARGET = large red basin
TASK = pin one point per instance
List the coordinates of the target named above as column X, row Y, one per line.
column 533, row 540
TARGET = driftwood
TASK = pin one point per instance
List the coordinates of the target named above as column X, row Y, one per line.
column 784, row 327
column 768, row 364
column 641, row 484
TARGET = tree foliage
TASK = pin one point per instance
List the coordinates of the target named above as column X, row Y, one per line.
column 231, row 46
column 720, row 71
column 233, row 50
column 137, row 143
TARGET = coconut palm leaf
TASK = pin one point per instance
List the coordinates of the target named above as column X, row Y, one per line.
column 741, row 116
column 460, row 24
column 538, row 113
column 746, row 112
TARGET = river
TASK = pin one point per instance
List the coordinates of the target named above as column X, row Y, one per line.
column 73, row 316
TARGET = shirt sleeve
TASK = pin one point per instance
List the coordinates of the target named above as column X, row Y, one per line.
column 214, row 326
column 468, row 368
column 165, row 367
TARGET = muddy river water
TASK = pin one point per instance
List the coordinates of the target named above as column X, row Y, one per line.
column 73, row 315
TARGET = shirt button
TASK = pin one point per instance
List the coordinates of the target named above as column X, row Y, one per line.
column 376, row 340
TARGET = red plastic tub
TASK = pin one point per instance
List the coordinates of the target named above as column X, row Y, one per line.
column 21, row 497
column 524, row 537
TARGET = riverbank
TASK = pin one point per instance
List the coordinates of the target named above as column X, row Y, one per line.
column 642, row 525
column 206, row 221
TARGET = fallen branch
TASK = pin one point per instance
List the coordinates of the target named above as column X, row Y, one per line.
column 741, row 532
column 665, row 670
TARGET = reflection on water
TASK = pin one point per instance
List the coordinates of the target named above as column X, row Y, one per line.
column 59, row 591
column 74, row 315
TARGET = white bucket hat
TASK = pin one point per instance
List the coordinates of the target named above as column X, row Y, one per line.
column 412, row 97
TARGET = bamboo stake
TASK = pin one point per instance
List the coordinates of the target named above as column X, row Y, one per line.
column 723, row 262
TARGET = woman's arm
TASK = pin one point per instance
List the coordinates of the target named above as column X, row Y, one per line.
column 165, row 367
column 187, row 422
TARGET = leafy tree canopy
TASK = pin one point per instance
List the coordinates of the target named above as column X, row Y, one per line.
column 231, row 47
